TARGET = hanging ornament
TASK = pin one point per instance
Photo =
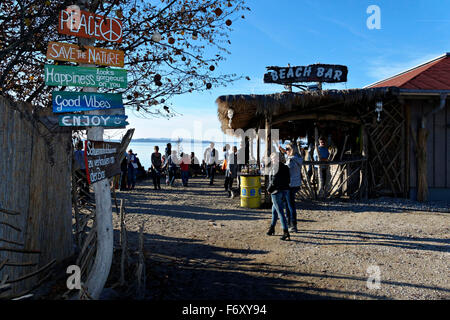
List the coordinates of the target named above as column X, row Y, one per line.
column 156, row 36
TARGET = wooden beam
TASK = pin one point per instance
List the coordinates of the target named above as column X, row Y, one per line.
column 315, row 116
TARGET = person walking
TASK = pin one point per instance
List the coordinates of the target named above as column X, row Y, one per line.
column 80, row 172
column 294, row 163
column 132, row 170
column 171, row 165
column 157, row 167
column 278, row 188
column 211, row 157
column 124, row 173
column 184, row 166
column 226, row 150
column 231, row 171
column 195, row 165
column 167, row 153
column 322, row 154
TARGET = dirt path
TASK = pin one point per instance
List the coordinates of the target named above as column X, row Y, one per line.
column 201, row 245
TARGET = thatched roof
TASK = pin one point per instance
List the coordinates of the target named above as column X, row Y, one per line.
column 249, row 108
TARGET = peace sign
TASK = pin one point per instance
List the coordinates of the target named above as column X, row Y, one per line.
column 111, row 29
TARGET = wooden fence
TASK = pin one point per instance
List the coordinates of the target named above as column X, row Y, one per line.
column 35, row 197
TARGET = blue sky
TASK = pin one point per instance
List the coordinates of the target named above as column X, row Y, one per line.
column 303, row 32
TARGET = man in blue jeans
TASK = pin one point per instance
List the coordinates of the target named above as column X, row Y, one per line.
column 294, row 162
column 278, row 188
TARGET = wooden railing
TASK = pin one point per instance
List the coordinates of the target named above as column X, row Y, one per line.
column 344, row 179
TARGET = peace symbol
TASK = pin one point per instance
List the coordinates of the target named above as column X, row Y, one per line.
column 113, row 30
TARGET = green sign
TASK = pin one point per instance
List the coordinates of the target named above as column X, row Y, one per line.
column 85, row 77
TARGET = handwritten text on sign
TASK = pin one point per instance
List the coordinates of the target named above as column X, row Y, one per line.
column 88, row 25
column 65, row 101
column 82, row 120
column 313, row 73
column 85, row 77
column 101, row 160
column 91, row 55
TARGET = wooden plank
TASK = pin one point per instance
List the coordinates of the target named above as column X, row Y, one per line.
column 312, row 73
column 430, row 144
column 439, row 149
column 85, row 77
column 91, row 55
column 447, row 144
column 67, row 101
column 89, row 25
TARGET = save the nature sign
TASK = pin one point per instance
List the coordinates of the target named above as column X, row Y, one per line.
column 89, row 55
column 85, row 77
column 76, row 22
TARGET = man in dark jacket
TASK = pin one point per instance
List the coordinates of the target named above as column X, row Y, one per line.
column 279, row 179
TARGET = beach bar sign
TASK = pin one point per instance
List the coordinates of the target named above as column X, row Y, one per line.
column 85, row 77
column 64, row 101
column 89, row 55
column 83, row 120
column 312, row 73
column 101, row 160
column 75, row 22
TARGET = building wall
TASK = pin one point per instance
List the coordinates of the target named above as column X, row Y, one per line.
column 438, row 148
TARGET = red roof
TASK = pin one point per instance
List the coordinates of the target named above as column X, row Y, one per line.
column 432, row 75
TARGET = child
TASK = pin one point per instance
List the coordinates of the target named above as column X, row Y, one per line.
column 184, row 165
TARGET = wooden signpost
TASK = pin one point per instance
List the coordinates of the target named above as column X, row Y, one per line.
column 83, row 120
column 101, row 159
column 312, row 73
column 91, row 55
column 65, row 101
column 88, row 25
column 85, row 77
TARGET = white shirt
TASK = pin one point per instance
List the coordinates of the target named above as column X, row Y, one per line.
column 209, row 159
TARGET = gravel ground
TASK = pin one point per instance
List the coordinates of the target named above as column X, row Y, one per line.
column 200, row 245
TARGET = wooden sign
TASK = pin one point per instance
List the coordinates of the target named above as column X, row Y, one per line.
column 101, row 159
column 83, row 120
column 65, row 101
column 85, row 77
column 313, row 73
column 88, row 25
column 90, row 55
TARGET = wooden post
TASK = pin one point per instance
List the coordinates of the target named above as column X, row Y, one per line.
column 258, row 151
column 364, row 175
column 268, row 128
column 422, row 182
column 408, row 150
column 319, row 171
column 103, row 212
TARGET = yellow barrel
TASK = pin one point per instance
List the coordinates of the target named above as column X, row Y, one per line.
column 251, row 192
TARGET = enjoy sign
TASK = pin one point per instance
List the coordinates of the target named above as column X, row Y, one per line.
column 82, row 120
column 75, row 22
column 90, row 55
column 101, row 159
column 313, row 73
column 85, row 77
column 64, row 101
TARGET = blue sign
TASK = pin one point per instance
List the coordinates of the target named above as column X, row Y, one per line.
column 83, row 120
column 64, row 101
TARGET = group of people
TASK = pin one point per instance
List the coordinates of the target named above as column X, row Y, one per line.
column 168, row 163
column 285, row 179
